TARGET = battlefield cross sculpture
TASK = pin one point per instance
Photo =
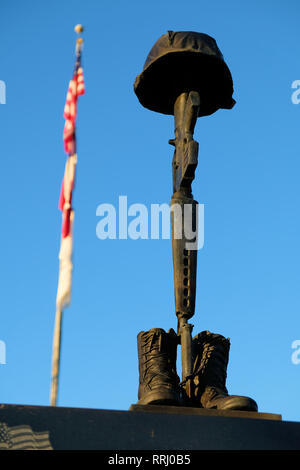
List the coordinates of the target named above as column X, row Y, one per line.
column 185, row 75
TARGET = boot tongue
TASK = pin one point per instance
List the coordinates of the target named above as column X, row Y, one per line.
column 155, row 340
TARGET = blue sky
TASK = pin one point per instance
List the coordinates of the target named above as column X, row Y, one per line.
column 247, row 179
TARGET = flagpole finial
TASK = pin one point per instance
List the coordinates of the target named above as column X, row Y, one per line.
column 79, row 41
column 78, row 28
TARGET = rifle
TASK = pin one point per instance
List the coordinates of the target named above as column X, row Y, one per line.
column 183, row 220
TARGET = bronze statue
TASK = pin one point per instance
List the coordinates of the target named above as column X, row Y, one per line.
column 185, row 75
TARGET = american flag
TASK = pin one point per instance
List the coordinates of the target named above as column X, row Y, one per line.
column 23, row 438
column 76, row 88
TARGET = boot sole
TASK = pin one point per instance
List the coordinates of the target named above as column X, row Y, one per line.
column 236, row 403
column 160, row 398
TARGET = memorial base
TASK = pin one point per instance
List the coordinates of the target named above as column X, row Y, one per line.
column 143, row 428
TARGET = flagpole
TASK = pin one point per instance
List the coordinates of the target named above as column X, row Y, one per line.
column 56, row 357
column 76, row 88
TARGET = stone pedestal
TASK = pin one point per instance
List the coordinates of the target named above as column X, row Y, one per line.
column 144, row 428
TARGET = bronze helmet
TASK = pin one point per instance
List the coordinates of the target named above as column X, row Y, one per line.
column 181, row 62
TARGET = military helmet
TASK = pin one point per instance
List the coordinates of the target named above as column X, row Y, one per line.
column 181, row 62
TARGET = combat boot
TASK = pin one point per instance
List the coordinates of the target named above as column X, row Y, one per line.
column 210, row 360
column 158, row 379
